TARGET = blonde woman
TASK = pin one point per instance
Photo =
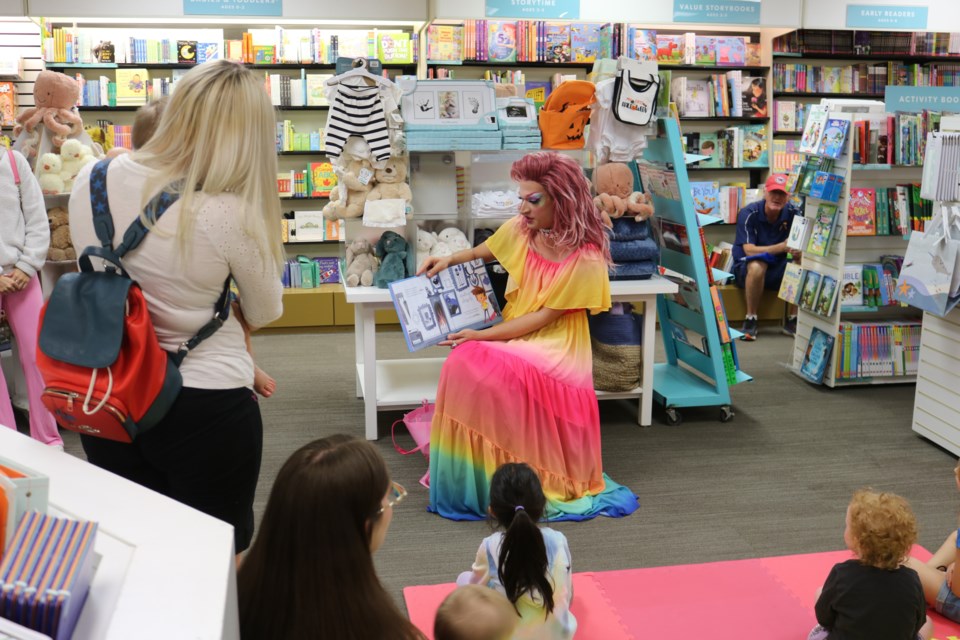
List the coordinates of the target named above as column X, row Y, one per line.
column 214, row 147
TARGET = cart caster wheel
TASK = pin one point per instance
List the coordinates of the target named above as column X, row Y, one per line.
column 726, row 413
column 674, row 417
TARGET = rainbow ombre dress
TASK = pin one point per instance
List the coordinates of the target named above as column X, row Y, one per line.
column 529, row 399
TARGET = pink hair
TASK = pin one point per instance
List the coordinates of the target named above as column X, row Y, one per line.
column 576, row 221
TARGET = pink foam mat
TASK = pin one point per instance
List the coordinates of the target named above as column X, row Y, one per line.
column 771, row 598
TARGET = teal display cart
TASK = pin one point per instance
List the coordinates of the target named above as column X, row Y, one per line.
column 701, row 352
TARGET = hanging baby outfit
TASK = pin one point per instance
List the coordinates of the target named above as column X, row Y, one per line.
column 357, row 109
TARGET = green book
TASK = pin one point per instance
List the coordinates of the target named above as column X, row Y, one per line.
column 112, row 94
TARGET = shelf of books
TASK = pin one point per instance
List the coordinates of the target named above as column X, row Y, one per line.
column 700, row 347
column 850, row 330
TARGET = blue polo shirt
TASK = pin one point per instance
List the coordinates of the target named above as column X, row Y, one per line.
column 753, row 228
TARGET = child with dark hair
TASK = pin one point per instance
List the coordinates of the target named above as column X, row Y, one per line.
column 874, row 595
column 530, row 565
column 472, row 612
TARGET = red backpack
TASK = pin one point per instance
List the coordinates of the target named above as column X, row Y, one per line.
column 105, row 372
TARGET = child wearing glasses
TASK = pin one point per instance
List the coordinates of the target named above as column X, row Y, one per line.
column 472, row 612
column 535, row 367
column 528, row 564
column 874, row 595
column 310, row 572
column 941, row 590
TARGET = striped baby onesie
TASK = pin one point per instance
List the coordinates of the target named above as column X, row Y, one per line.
column 357, row 110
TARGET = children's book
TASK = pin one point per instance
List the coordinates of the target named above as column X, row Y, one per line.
column 817, row 356
column 790, row 285
column 705, row 197
column 556, row 40
column 827, row 296
column 132, row 86
column 810, row 289
column 822, row 230
column 708, row 147
column 502, row 41
column 394, row 47
column 813, row 131
column 851, row 286
column 753, row 92
column 670, row 48
column 696, row 98
column 585, row 41
column 187, row 51
column 316, row 89
column 674, row 236
column 753, row 146
column 207, row 51
column 445, row 43
column 731, row 51
column 705, row 51
column 457, row 298
column 834, row 136
column 322, row 179
column 538, row 92
column 752, row 54
column 643, row 44
column 862, row 212
column 8, row 104
column 799, row 232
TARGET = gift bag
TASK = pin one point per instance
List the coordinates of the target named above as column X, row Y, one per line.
column 418, row 423
column 565, row 114
column 615, row 339
column 930, row 277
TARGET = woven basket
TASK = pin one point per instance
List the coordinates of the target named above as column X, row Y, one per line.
column 615, row 339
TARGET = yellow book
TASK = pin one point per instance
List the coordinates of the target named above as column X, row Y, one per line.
column 132, row 86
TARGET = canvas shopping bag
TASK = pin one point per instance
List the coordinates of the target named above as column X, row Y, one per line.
column 929, row 276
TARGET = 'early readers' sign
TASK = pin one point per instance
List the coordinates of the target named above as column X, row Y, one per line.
column 916, row 99
column 886, row 16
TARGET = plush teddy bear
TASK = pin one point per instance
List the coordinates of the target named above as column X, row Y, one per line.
column 75, row 155
column 454, row 238
column 61, row 246
column 361, row 263
column 392, row 182
column 355, row 182
column 615, row 195
column 48, row 174
column 54, row 95
column 392, row 251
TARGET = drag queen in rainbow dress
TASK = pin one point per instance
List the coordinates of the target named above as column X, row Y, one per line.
column 522, row 390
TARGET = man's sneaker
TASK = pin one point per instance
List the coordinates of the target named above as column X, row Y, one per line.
column 790, row 327
column 749, row 330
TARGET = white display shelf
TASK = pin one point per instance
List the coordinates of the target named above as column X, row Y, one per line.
column 404, row 383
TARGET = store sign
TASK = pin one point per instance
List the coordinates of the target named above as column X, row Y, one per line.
column 886, row 16
column 233, row 7
column 534, row 9
column 920, row 98
column 717, row 12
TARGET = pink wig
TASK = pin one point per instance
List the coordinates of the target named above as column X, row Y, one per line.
column 576, row 220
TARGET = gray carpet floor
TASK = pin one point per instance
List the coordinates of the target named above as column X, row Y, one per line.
column 775, row 480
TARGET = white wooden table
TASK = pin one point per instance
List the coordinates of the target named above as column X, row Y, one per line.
column 401, row 384
column 164, row 570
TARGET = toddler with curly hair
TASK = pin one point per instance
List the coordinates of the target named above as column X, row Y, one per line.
column 874, row 595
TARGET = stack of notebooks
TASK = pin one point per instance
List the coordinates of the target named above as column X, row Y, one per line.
column 45, row 574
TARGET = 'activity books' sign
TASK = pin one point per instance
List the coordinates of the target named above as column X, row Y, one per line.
column 916, row 99
column 457, row 298
column 717, row 11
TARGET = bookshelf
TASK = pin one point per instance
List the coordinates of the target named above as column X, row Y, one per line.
column 851, row 250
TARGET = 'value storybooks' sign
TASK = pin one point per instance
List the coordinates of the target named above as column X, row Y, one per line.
column 886, row 16
column 233, row 7
column 717, row 11
column 538, row 9
column 916, row 99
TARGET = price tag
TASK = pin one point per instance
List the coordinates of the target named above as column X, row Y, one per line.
column 365, row 175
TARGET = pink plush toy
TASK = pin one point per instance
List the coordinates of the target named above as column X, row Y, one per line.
column 55, row 95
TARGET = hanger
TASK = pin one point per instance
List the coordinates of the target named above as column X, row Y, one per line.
column 359, row 69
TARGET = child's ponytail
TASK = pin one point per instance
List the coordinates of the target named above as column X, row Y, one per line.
column 517, row 502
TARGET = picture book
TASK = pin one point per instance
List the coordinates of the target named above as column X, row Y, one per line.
column 753, row 146
column 207, row 51
column 538, row 92
column 309, row 225
column 799, row 232
column 556, row 42
column 8, row 104
column 786, row 114
column 322, row 179
column 705, row 51
column 445, row 43
column 457, row 298
column 862, row 212
column 826, row 186
column 394, row 47
column 822, row 229
column 827, row 297
column 501, row 41
column 696, row 98
column 688, row 294
column 643, row 44
column 708, row 147
column 813, row 130
column 754, row 96
column 132, row 86
column 752, row 56
column 705, row 197
column 317, row 89
column 834, row 136
column 731, row 51
column 670, row 48
column 851, row 286
column 673, row 236
column 585, row 41
column 790, row 284
column 816, row 358
column 809, row 290
column 187, row 51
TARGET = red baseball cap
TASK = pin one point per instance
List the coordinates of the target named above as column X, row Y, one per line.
column 776, row 182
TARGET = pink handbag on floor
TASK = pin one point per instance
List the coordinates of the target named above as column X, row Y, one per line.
column 418, row 424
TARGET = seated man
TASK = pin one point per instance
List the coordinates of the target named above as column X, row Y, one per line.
column 760, row 250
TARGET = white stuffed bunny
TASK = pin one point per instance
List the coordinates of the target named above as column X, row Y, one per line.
column 454, row 238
